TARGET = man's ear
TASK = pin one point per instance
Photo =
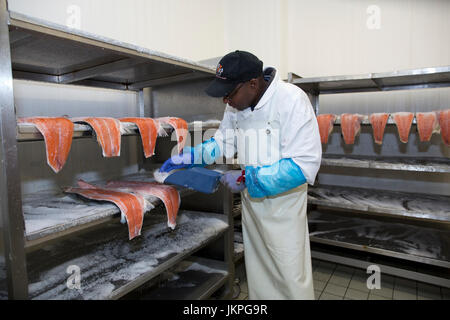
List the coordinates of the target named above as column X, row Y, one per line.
column 254, row 83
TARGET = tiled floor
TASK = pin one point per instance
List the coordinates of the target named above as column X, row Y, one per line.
column 337, row 282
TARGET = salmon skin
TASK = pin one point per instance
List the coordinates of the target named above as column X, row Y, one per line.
column 168, row 195
column 427, row 124
column 181, row 129
column 403, row 120
column 58, row 133
column 108, row 134
column 148, row 129
column 350, row 126
column 444, row 122
column 325, row 122
column 132, row 206
column 378, row 122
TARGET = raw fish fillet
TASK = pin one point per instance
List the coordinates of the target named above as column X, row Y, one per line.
column 168, row 195
column 132, row 206
column 403, row 120
column 181, row 129
column 350, row 126
column 148, row 128
column 108, row 134
column 58, row 133
column 444, row 122
column 378, row 122
column 427, row 124
column 325, row 122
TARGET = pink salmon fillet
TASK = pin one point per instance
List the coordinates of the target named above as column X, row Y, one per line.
column 181, row 129
column 325, row 122
column 427, row 124
column 378, row 122
column 350, row 126
column 403, row 120
column 58, row 133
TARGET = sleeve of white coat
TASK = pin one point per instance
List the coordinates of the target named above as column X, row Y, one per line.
column 225, row 135
column 300, row 138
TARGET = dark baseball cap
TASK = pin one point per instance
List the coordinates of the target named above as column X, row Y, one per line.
column 234, row 68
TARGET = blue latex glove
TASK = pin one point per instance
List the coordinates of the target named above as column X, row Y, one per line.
column 230, row 180
column 272, row 180
column 180, row 161
column 201, row 155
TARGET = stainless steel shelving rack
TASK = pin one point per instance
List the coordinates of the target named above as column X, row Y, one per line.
column 375, row 221
column 36, row 50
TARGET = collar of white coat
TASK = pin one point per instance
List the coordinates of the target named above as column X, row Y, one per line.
column 270, row 90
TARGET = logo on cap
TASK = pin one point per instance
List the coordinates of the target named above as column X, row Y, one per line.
column 219, row 71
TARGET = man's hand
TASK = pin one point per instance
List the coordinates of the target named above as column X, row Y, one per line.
column 234, row 180
column 181, row 161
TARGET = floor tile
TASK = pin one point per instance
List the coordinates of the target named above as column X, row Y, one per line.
column 340, row 278
column 321, row 275
column 319, row 285
column 445, row 293
column 345, row 269
column 401, row 282
column 329, row 296
column 317, row 294
column 334, row 289
column 404, row 293
column 376, row 297
column 383, row 291
column 427, row 291
column 356, row 294
column 358, row 284
column 327, row 265
column 242, row 296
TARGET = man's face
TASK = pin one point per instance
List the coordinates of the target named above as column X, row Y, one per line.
column 242, row 96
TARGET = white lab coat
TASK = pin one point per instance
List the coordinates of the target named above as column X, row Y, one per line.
column 275, row 229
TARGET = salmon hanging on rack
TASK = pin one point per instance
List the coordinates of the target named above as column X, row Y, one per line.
column 148, row 129
column 168, row 195
column 325, row 122
column 427, row 124
column 108, row 132
column 351, row 126
column 181, row 129
column 444, row 122
column 403, row 120
column 132, row 206
column 378, row 122
column 57, row 133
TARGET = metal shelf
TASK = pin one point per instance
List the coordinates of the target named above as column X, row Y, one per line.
column 399, row 204
column 83, row 58
column 399, row 240
column 386, row 81
column 50, row 215
column 192, row 279
column 112, row 266
column 437, row 165
column 29, row 132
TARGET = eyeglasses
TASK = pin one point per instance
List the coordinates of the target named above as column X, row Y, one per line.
column 232, row 93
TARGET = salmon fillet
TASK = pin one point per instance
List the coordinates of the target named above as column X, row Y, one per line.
column 57, row 133
column 168, row 195
column 148, row 129
column 181, row 129
column 350, row 126
column 378, row 122
column 325, row 122
column 444, row 122
column 427, row 124
column 132, row 206
column 108, row 134
column 403, row 120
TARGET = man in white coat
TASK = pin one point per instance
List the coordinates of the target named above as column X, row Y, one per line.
column 272, row 127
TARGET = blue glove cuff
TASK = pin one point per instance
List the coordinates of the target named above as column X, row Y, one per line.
column 205, row 153
column 274, row 179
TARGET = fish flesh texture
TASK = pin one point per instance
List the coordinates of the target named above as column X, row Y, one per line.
column 444, row 122
column 132, row 206
column 57, row 133
column 427, row 124
column 168, row 195
column 148, row 129
column 108, row 134
column 378, row 122
column 181, row 129
column 403, row 120
column 351, row 126
column 325, row 122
